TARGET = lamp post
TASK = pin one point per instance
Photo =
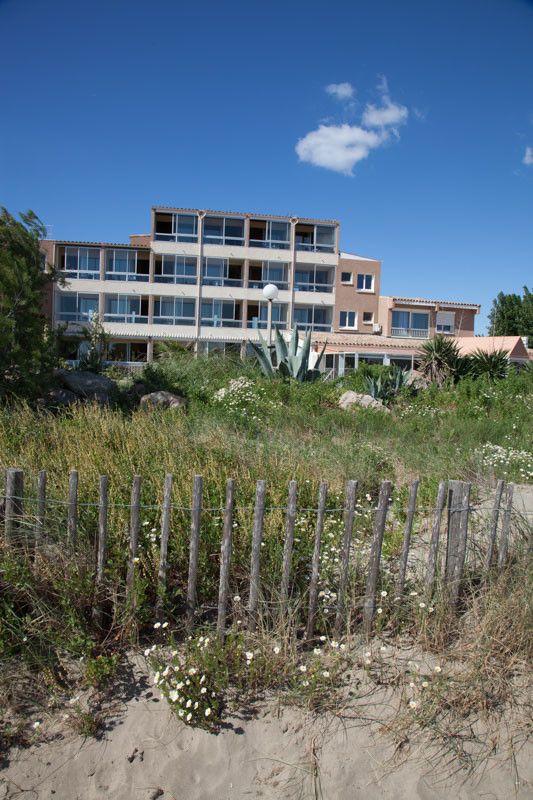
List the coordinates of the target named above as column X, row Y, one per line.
column 270, row 292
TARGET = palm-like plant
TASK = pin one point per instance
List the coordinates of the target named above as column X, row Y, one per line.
column 439, row 359
column 291, row 363
column 494, row 366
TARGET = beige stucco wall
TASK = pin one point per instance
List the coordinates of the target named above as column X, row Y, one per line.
column 348, row 298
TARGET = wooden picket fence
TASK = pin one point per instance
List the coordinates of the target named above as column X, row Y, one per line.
column 453, row 499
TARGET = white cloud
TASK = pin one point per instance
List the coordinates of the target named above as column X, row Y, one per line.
column 389, row 114
column 528, row 157
column 338, row 147
column 342, row 91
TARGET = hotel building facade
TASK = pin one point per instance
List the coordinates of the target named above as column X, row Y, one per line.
column 197, row 278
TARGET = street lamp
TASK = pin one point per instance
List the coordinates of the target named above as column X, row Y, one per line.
column 270, row 292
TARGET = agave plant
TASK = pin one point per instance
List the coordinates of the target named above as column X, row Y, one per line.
column 439, row 359
column 385, row 387
column 494, row 366
column 291, row 363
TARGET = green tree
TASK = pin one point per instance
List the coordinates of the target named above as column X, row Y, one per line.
column 27, row 342
column 505, row 315
column 526, row 314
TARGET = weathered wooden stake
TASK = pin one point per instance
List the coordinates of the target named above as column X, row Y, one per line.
column 259, row 514
column 506, row 525
column 72, row 512
column 40, row 511
column 135, row 527
column 455, row 504
column 411, row 505
column 163, row 549
column 369, row 605
column 494, row 525
column 431, row 569
column 225, row 561
column 349, row 512
column 196, row 519
column 14, row 506
column 102, row 550
column 458, row 542
column 289, row 539
column 313, row 584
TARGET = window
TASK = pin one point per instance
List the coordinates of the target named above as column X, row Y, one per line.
column 268, row 272
column 368, row 317
column 78, row 307
column 315, row 238
column 221, row 272
column 174, row 311
column 348, row 319
column 220, row 313
column 365, row 283
column 313, row 278
column 126, row 308
column 126, row 265
column 80, row 262
column 258, row 315
column 317, row 318
column 131, row 352
column 175, row 269
column 413, row 324
column 176, row 227
column 270, row 233
column 223, row 230
column 445, row 322
column 346, row 277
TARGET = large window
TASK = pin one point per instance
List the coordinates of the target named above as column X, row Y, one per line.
column 126, row 265
column 348, row 319
column 127, row 352
column 315, row 238
column 220, row 313
column 258, row 315
column 176, row 227
column 317, row 318
column 365, row 283
column 223, row 230
column 80, row 262
column 270, row 233
column 313, row 278
column 175, row 269
column 174, row 311
column 413, row 324
column 78, row 307
column 221, row 272
column 268, row 272
column 126, row 308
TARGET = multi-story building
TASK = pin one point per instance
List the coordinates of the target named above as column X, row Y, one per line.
column 198, row 279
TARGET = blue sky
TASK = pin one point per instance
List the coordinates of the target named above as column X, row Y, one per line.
column 411, row 123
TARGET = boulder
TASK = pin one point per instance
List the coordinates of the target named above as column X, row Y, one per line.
column 417, row 380
column 349, row 399
column 88, row 384
column 62, row 397
column 163, row 400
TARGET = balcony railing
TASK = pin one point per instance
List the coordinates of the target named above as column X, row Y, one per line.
column 125, row 276
column 300, row 286
column 262, row 324
column 315, row 248
column 221, row 281
column 270, row 243
column 174, row 320
column 411, row 333
column 216, row 322
column 261, row 284
column 138, row 319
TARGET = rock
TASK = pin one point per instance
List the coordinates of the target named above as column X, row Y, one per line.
column 88, row 384
column 417, row 380
column 163, row 400
column 62, row 397
column 349, row 399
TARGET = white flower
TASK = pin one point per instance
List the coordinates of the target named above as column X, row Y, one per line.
column 203, row 690
column 202, row 679
column 237, row 598
column 343, row 647
column 384, row 594
column 195, row 705
column 322, row 638
column 173, row 696
column 316, row 651
column 146, row 523
column 73, row 700
column 276, row 650
column 136, row 560
column 421, row 605
column 157, row 625
column 334, row 643
column 438, row 669
column 412, row 685
column 368, row 654
column 207, row 712
column 412, row 704
column 181, row 712
column 188, row 704
column 157, row 676
column 179, row 685
column 302, row 668
column 147, row 652
column 188, row 717
column 430, row 610
column 249, row 655
column 380, row 611
column 165, row 673
column 192, row 671
column 35, row 725
column 164, row 625
column 425, row 684
column 305, row 683
column 325, row 674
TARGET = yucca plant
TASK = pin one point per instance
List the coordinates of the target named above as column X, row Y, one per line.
column 494, row 366
column 439, row 359
column 290, row 362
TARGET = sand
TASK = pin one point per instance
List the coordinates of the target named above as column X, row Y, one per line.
column 270, row 751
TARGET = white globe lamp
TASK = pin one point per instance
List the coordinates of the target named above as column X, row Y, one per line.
column 270, row 292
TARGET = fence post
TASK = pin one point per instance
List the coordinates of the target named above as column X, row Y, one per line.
column 225, row 560
column 259, row 514
column 349, row 512
column 196, row 518
column 72, row 512
column 313, row 585
column 14, row 506
column 457, row 536
column 431, row 569
column 289, row 539
column 40, row 511
column 411, row 505
column 163, row 548
column 135, row 527
column 102, row 549
column 494, row 525
column 506, row 525
column 375, row 554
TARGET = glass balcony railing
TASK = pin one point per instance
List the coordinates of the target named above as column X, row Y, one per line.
column 216, row 322
column 300, row 286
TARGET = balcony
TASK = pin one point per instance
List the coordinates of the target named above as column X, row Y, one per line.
column 315, row 238
column 410, row 333
column 270, row 234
